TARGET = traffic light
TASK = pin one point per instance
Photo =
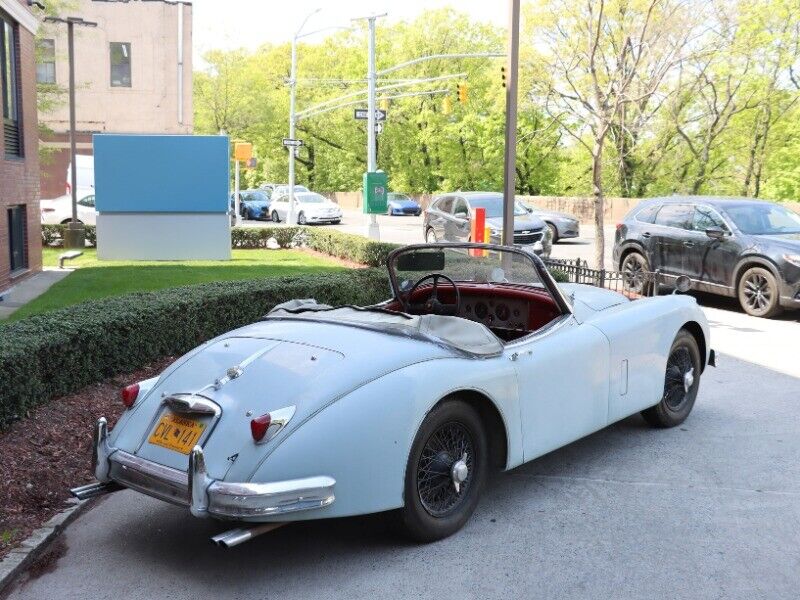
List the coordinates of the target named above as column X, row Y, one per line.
column 503, row 75
column 384, row 104
column 447, row 105
column 462, row 93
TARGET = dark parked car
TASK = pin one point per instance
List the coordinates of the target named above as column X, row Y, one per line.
column 253, row 204
column 449, row 218
column 737, row 247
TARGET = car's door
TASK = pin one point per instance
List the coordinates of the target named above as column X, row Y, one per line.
column 440, row 216
column 714, row 257
column 458, row 225
column 674, row 238
column 86, row 210
column 563, row 376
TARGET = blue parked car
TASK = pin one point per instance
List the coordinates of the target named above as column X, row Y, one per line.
column 253, row 204
column 401, row 204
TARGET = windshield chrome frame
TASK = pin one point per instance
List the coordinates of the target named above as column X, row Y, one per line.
column 544, row 275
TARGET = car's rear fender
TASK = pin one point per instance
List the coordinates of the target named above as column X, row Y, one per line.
column 364, row 439
column 641, row 333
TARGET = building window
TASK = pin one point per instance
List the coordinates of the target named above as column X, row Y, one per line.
column 120, row 64
column 9, row 92
column 46, row 65
column 16, row 238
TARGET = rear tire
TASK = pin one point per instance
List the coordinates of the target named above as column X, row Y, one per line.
column 681, row 383
column 430, row 236
column 450, row 445
column 759, row 294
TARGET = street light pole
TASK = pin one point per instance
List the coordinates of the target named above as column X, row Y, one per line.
column 293, row 117
column 510, row 155
column 75, row 235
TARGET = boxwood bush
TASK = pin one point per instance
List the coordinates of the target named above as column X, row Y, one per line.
column 49, row 355
column 53, row 235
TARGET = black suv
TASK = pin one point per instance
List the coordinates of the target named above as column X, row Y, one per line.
column 747, row 249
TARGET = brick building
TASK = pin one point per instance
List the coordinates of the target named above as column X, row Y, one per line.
column 20, row 229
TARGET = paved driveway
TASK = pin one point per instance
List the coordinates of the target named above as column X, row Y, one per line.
column 707, row 510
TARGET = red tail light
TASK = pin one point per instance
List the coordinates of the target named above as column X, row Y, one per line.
column 129, row 394
column 259, row 426
column 619, row 226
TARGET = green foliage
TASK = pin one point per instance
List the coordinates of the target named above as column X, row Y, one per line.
column 347, row 246
column 53, row 354
column 53, row 235
column 720, row 121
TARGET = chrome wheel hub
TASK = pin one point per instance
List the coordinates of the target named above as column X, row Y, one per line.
column 459, row 472
column 688, row 380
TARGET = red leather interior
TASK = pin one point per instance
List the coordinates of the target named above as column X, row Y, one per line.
column 541, row 307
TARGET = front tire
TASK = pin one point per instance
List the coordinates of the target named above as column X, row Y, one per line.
column 681, row 383
column 759, row 294
column 446, row 472
column 430, row 236
column 553, row 233
column 275, row 217
column 301, row 219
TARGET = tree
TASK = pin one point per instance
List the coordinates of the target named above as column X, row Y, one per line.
column 603, row 58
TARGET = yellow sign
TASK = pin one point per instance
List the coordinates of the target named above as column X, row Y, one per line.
column 177, row 433
column 242, row 151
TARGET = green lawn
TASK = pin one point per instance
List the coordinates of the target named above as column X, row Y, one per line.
column 95, row 279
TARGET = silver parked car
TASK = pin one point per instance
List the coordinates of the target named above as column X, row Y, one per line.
column 561, row 225
column 449, row 218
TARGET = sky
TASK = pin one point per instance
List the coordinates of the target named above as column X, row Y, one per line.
column 227, row 24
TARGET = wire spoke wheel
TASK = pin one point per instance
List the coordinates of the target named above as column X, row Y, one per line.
column 679, row 378
column 444, row 469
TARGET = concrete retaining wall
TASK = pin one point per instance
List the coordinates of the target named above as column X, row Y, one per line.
column 580, row 206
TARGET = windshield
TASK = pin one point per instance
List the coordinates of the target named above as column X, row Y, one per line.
column 310, row 199
column 764, row 219
column 494, row 206
column 398, row 197
column 462, row 264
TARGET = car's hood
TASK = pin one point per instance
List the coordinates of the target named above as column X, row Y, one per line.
column 403, row 203
column 791, row 241
column 553, row 214
column 591, row 297
column 521, row 223
column 282, row 363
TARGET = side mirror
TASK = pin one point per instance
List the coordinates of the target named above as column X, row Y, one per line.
column 716, row 233
column 683, row 284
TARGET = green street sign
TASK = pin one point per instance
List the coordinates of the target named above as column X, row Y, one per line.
column 376, row 189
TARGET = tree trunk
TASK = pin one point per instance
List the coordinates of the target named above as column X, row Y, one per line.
column 599, row 208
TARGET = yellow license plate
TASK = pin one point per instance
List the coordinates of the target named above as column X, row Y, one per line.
column 177, row 433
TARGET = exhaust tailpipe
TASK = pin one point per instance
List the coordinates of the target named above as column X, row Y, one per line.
column 93, row 490
column 240, row 535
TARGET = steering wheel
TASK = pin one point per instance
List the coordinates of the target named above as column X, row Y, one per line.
column 433, row 304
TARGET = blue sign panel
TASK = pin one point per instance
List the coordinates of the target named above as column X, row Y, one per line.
column 161, row 173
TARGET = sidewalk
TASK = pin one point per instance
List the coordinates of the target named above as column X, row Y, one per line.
column 25, row 291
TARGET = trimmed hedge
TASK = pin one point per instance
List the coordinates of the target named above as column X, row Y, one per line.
column 342, row 245
column 53, row 235
column 49, row 355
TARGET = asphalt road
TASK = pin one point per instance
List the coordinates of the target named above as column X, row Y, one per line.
column 707, row 510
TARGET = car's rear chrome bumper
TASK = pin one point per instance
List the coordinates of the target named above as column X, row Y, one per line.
column 203, row 495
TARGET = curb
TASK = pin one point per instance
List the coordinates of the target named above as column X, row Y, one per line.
column 23, row 556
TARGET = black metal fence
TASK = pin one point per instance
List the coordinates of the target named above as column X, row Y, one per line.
column 633, row 283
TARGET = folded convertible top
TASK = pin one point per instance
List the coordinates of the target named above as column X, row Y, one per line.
column 461, row 334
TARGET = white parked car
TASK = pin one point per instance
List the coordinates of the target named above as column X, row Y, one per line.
column 59, row 210
column 310, row 207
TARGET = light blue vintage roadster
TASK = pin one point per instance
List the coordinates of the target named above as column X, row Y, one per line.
column 479, row 360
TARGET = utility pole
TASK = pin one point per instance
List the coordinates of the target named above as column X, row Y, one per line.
column 75, row 235
column 291, row 220
column 510, row 155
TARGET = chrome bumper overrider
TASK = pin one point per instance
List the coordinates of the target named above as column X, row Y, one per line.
column 203, row 495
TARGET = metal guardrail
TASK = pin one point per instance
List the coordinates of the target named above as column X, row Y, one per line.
column 639, row 284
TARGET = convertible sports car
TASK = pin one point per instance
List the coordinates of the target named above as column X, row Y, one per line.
column 479, row 360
